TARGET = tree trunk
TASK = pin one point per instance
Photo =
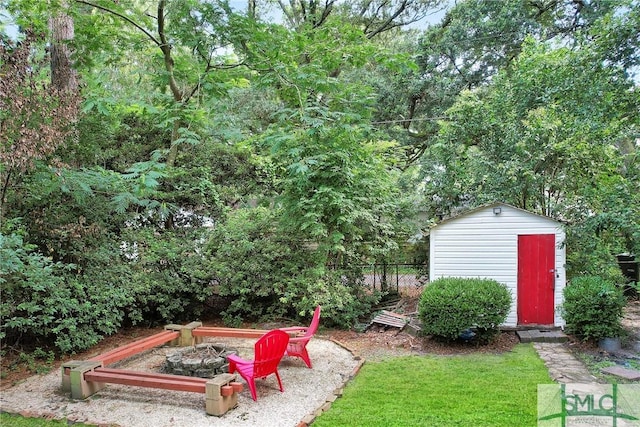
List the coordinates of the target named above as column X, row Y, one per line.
column 63, row 75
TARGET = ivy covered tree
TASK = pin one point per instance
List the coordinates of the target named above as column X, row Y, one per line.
column 35, row 117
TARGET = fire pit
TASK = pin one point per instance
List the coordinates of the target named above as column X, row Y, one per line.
column 203, row 360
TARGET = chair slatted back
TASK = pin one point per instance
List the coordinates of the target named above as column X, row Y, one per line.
column 268, row 351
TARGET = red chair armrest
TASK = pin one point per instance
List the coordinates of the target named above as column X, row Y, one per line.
column 303, row 338
column 238, row 360
column 295, row 330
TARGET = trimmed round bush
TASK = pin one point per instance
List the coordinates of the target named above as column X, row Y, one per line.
column 450, row 306
column 593, row 308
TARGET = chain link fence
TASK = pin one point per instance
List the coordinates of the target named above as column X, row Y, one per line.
column 402, row 279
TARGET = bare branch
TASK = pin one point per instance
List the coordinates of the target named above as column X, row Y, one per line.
column 385, row 25
column 123, row 17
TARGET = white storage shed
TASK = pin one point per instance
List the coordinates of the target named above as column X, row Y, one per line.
column 523, row 250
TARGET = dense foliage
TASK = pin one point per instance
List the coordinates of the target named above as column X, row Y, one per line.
column 42, row 305
column 267, row 273
column 592, row 308
column 450, row 306
column 156, row 157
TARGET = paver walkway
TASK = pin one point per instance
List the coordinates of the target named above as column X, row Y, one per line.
column 563, row 366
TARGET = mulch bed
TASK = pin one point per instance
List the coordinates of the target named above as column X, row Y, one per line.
column 379, row 342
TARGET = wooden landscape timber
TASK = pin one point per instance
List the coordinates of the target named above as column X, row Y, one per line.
column 85, row 378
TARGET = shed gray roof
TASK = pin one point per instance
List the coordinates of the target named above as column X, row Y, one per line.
column 491, row 205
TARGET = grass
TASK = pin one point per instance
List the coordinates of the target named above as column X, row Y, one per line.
column 10, row 420
column 470, row 390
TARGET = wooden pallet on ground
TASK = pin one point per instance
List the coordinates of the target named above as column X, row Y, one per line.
column 389, row 318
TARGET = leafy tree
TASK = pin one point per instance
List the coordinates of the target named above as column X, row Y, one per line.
column 593, row 308
column 327, row 163
column 181, row 43
column 532, row 128
column 373, row 17
column 337, row 192
column 63, row 74
column 168, row 281
column 43, row 305
column 474, row 41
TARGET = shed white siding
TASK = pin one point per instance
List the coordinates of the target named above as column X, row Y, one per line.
column 483, row 244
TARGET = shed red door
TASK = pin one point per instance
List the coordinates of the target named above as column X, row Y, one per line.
column 536, row 278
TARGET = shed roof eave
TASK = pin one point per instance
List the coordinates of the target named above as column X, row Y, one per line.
column 491, row 205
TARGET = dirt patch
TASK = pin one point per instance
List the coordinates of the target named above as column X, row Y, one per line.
column 378, row 343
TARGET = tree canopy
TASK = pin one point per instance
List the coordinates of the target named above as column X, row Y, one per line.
column 162, row 158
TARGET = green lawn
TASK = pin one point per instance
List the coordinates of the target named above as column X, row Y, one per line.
column 472, row 390
column 8, row 420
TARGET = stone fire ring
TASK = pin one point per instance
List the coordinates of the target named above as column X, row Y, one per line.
column 203, row 360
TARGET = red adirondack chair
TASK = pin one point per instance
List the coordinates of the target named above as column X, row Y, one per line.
column 298, row 344
column 268, row 352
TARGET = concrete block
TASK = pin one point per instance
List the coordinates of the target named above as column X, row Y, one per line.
column 66, row 373
column 186, row 335
column 215, row 407
column 81, row 389
column 215, row 403
column 525, row 336
column 212, row 388
column 193, row 325
column 619, row 371
column 176, row 328
column 223, row 379
column 220, row 406
column 535, row 335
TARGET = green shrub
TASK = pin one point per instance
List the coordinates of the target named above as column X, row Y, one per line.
column 168, row 279
column 451, row 305
column 267, row 273
column 593, row 308
column 40, row 306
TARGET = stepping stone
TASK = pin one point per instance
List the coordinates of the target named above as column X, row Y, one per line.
column 619, row 371
column 535, row 335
